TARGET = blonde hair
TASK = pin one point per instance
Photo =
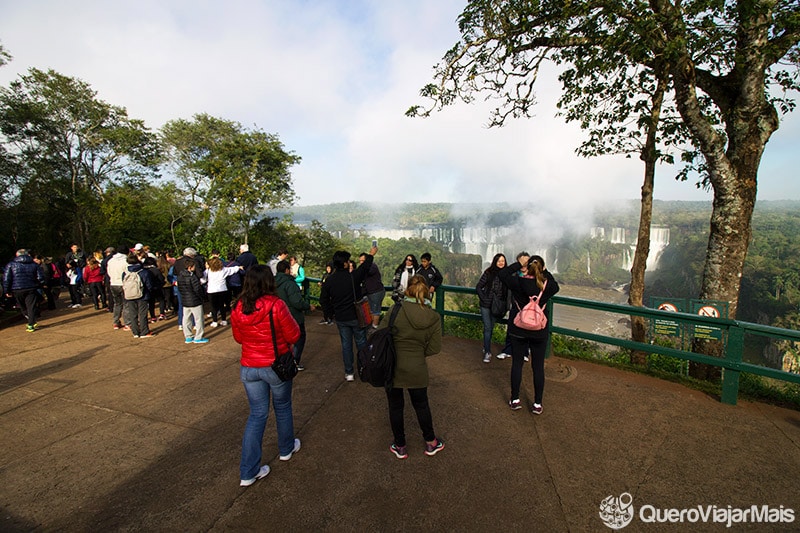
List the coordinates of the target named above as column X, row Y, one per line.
column 215, row 264
column 417, row 289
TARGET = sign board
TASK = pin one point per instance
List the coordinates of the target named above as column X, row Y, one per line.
column 664, row 326
column 713, row 309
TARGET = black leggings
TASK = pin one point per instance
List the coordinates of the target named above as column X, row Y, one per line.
column 98, row 294
column 519, row 349
column 419, row 399
column 219, row 304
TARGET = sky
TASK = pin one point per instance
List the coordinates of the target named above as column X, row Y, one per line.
column 333, row 80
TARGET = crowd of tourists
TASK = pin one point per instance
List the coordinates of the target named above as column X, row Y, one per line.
column 266, row 307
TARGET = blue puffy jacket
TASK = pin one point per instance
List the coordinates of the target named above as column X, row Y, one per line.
column 22, row 273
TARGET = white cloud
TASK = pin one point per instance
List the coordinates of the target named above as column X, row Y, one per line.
column 333, row 80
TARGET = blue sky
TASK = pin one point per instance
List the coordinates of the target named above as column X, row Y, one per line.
column 333, row 79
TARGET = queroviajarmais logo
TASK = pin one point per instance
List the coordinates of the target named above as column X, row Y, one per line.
column 617, row 511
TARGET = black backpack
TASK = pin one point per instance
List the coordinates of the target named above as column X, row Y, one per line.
column 376, row 360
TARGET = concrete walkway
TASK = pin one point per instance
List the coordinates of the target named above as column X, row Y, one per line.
column 103, row 432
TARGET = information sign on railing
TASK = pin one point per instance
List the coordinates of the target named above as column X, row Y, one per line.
column 663, row 326
column 709, row 308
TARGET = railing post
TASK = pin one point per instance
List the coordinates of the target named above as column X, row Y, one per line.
column 440, row 303
column 730, row 377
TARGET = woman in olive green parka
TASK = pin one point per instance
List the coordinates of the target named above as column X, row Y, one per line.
column 417, row 334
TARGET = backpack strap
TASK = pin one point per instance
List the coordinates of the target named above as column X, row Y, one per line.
column 395, row 310
column 537, row 297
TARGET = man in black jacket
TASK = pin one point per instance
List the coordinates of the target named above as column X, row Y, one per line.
column 339, row 292
column 431, row 274
column 22, row 278
column 246, row 257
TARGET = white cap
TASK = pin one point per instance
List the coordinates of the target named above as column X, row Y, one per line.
column 138, row 246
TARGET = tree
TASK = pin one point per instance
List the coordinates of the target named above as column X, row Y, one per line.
column 231, row 171
column 54, row 128
column 5, row 57
column 724, row 60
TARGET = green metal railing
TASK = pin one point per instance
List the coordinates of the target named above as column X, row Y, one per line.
column 734, row 331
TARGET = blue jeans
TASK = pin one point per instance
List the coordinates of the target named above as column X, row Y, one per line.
column 258, row 383
column 488, row 327
column 348, row 330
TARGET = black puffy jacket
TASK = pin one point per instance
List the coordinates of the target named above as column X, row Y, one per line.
column 190, row 288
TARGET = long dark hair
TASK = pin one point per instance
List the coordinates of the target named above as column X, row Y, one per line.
column 493, row 269
column 259, row 281
column 402, row 264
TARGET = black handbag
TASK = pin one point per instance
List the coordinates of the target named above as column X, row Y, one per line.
column 499, row 307
column 284, row 365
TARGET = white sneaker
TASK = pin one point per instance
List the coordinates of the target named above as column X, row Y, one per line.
column 487, row 357
column 223, row 322
column 526, row 358
column 294, row 451
column 262, row 472
column 503, row 355
column 180, row 328
column 214, row 324
column 209, row 315
column 349, row 377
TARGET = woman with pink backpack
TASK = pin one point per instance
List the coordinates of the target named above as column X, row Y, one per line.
column 534, row 287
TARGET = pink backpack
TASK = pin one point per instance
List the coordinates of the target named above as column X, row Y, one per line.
column 532, row 316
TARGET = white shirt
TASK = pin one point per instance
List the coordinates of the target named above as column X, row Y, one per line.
column 116, row 268
column 216, row 280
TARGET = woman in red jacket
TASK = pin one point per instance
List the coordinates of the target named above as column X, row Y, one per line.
column 250, row 323
column 93, row 276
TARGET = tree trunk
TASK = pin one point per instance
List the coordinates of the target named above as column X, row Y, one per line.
column 650, row 157
column 727, row 249
column 732, row 160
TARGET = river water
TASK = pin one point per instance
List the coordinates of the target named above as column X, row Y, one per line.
column 600, row 322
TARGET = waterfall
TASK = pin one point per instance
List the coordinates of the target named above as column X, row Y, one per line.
column 627, row 257
column 618, row 235
column 488, row 241
column 659, row 240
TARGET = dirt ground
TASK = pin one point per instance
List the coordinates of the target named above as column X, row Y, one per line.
column 103, row 432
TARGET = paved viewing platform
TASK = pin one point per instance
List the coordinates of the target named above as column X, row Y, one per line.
column 103, row 432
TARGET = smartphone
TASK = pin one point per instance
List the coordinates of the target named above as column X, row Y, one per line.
column 374, row 243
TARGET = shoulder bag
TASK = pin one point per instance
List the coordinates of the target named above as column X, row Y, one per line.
column 362, row 307
column 284, row 365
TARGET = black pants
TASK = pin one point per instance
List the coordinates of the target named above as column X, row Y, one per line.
column 300, row 344
column 157, row 296
column 75, row 294
column 51, row 294
column 419, row 399
column 28, row 300
column 98, row 294
column 219, row 305
column 519, row 349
